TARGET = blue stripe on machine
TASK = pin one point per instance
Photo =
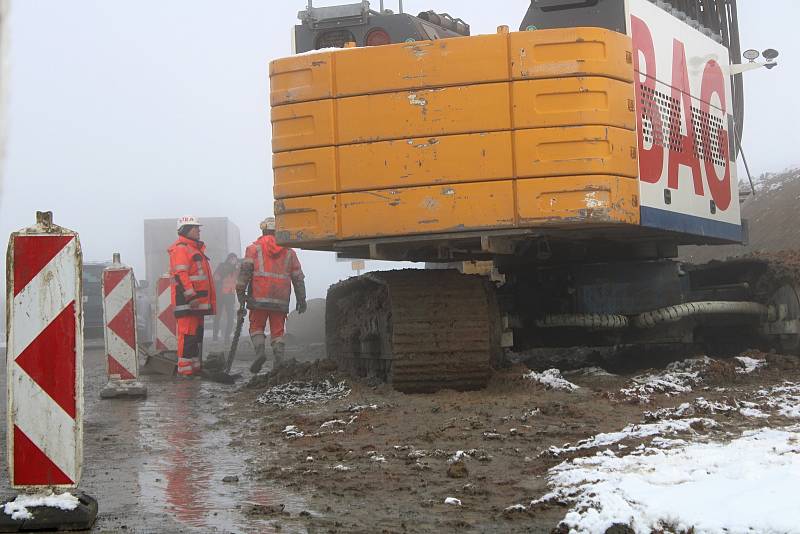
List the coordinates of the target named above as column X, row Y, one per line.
column 689, row 224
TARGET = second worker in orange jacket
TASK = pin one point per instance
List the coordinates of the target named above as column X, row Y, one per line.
column 267, row 275
column 193, row 293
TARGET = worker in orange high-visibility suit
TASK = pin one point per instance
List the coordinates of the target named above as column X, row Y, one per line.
column 265, row 282
column 193, row 293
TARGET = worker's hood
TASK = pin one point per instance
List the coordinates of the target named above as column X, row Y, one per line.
column 185, row 241
column 271, row 246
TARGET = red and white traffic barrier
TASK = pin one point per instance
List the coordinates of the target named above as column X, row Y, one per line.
column 45, row 356
column 45, row 369
column 119, row 322
column 166, row 326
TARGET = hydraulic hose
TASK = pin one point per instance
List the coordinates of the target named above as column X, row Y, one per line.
column 673, row 314
column 670, row 314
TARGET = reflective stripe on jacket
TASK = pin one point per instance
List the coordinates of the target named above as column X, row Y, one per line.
column 274, row 269
column 190, row 273
column 229, row 283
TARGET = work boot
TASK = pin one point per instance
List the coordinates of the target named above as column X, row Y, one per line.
column 278, row 349
column 185, row 367
column 259, row 343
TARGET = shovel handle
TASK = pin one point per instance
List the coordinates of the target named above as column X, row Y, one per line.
column 236, row 335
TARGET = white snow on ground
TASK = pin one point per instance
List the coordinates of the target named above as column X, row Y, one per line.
column 713, row 406
column 302, row 393
column 356, row 408
column 589, row 371
column 754, row 413
column 292, row 432
column 749, row 365
column 747, row 485
column 769, row 182
column 18, row 508
column 678, row 377
column 784, row 398
column 635, row 432
column 551, row 379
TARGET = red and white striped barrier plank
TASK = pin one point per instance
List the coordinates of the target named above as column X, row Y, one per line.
column 119, row 318
column 45, row 357
column 166, row 326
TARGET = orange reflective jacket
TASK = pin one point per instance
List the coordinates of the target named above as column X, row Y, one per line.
column 229, row 282
column 191, row 279
column 274, row 269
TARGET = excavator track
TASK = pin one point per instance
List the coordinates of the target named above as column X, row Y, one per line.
column 419, row 330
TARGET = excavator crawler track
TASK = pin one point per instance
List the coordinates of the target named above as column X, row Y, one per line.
column 418, row 330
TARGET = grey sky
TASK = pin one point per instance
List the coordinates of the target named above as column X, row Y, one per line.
column 124, row 110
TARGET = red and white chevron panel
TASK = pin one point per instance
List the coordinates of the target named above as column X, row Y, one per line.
column 166, row 326
column 45, row 358
column 119, row 319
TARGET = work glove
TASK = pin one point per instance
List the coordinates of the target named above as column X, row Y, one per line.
column 194, row 304
column 300, row 294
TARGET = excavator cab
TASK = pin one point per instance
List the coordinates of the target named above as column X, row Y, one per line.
column 335, row 26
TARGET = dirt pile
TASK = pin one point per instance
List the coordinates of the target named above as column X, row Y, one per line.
column 293, row 371
column 773, row 216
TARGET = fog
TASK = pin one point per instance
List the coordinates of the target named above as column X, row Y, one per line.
column 126, row 110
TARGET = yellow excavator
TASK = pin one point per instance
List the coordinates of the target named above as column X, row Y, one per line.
column 574, row 157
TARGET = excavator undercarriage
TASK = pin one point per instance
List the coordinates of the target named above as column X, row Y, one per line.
column 425, row 330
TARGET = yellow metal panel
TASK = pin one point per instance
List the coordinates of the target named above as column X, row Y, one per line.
column 304, row 125
column 573, row 102
column 571, row 52
column 426, row 161
column 306, row 219
column 429, row 112
column 459, row 61
column 576, row 150
column 420, row 210
column 578, row 199
column 301, row 78
column 304, row 172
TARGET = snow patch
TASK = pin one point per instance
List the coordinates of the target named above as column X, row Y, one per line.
column 747, row 485
column 749, row 365
column 18, row 508
column 292, row 432
column 294, row 394
column 357, row 408
column 589, row 371
column 784, row 398
column 551, row 379
column 641, row 431
column 677, row 378
column 753, row 413
column 323, row 51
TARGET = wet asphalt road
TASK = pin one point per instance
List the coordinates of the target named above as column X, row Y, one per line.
column 157, row 465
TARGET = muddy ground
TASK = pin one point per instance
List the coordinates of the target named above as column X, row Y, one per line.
column 201, row 457
column 381, row 461
column 158, row 465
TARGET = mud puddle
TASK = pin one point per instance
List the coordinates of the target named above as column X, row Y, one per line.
column 165, row 464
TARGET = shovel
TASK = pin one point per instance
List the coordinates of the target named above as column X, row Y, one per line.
column 221, row 371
